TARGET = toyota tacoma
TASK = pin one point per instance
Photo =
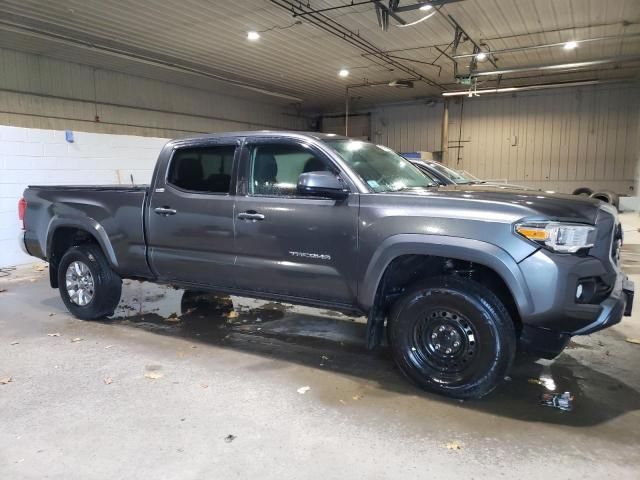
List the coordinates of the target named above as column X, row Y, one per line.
column 458, row 279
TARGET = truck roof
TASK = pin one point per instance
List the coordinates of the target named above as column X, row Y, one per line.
column 267, row 133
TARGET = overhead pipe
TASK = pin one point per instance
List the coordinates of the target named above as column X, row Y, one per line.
column 329, row 25
column 559, row 66
column 548, row 45
column 524, row 88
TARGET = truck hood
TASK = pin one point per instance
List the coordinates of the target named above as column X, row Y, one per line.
column 531, row 204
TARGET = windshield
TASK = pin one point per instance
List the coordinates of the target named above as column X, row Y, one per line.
column 461, row 178
column 379, row 166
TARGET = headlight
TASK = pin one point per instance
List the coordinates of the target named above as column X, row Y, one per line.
column 558, row 237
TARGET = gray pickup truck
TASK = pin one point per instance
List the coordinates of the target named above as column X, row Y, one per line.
column 461, row 278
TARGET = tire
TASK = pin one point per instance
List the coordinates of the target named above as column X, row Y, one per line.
column 585, row 191
column 107, row 284
column 435, row 314
column 608, row 197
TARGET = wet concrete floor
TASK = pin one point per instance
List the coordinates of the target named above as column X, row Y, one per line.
column 157, row 391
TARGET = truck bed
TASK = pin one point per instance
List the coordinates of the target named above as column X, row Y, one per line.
column 113, row 214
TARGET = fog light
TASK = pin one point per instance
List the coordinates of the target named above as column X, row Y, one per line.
column 579, row 291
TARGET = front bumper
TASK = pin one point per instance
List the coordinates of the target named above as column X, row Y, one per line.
column 557, row 315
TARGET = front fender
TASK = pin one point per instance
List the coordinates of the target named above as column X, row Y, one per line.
column 466, row 249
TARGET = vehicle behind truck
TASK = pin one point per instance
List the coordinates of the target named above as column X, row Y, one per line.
column 458, row 279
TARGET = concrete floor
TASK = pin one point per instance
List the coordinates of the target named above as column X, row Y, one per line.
column 81, row 404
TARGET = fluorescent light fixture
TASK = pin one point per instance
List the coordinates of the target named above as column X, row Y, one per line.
column 343, row 73
column 472, row 93
column 426, row 7
column 570, row 45
column 253, row 36
column 481, row 56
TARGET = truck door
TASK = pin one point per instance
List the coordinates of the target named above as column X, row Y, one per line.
column 190, row 217
column 288, row 244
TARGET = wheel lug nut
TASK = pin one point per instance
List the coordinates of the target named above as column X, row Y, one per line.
column 441, row 329
column 456, row 344
column 438, row 346
column 448, row 350
column 434, row 335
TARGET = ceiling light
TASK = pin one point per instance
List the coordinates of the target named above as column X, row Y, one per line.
column 426, row 7
column 481, row 57
column 343, row 73
column 253, row 36
column 570, row 45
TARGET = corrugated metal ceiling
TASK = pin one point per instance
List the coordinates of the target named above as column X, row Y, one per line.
column 302, row 61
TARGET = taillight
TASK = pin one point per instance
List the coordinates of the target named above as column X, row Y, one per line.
column 22, row 208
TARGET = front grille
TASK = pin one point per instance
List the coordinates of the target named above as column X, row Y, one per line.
column 616, row 244
column 603, row 248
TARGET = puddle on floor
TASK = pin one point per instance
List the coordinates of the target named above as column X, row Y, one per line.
column 225, row 319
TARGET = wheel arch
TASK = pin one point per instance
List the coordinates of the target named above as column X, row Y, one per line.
column 432, row 251
column 64, row 233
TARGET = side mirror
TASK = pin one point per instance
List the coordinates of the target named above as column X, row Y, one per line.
column 321, row 184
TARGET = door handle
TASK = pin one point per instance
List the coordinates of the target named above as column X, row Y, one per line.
column 251, row 215
column 165, row 211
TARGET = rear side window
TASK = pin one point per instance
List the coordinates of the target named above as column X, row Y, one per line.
column 202, row 169
column 275, row 168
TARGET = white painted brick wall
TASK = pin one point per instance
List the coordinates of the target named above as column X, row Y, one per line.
column 43, row 157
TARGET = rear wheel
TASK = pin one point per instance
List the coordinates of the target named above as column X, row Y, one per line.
column 89, row 288
column 452, row 336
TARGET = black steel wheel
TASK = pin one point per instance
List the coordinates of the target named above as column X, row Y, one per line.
column 452, row 336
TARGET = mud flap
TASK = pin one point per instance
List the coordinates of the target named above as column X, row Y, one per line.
column 375, row 327
column 628, row 288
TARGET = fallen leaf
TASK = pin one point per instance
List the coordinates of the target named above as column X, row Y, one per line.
column 39, row 268
column 303, row 390
column 5, row 380
column 342, row 402
column 77, row 339
column 204, row 385
column 357, row 397
column 107, row 380
column 53, row 334
column 108, row 346
column 633, row 340
column 229, row 438
column 2, row 290
column 233, row 314
column 324, row 357
column 51, row 314
column 15, row 343
column 453, row 446
column 153, row 375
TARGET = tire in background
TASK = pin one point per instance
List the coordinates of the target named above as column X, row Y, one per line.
column 585, row 191
column 608, row 197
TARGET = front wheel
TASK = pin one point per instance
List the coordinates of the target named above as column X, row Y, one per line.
column 452, row 336
column 89, row 288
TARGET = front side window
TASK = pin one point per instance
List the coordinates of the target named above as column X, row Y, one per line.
column 379, row 166
column 202, row 169
column 275, row 168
